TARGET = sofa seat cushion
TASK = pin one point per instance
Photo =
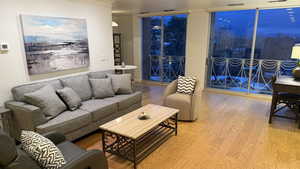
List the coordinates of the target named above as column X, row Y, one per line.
column 70, row 151
column 126, row 100
column 66, row 122
column 99, row 108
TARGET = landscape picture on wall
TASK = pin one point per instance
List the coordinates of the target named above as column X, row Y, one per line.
column 54, row 43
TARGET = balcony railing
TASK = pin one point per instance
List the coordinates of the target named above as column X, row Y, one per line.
column 166, row 69
column 233, row 73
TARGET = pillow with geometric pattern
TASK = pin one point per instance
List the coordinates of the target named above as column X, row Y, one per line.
column 186, row 85
column 42, row 150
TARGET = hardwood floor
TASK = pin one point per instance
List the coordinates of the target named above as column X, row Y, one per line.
column 232, row 132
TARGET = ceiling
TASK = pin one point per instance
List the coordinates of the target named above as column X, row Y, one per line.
column 136, row 6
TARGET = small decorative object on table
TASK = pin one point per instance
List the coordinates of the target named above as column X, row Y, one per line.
column 143, row 116
column 296, row 55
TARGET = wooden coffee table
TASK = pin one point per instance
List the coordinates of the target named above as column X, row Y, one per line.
column 134, row 139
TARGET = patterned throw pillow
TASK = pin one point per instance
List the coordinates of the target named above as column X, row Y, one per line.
column 42, row 150
column 186, row 85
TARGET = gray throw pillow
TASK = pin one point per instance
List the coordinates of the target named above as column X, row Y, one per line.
column 102, row 88
column 70, row 98
column 47, row 100
column 42, row 150
column 121, row 83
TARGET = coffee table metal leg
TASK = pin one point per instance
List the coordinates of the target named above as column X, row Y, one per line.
column 103, row 142
column 134, row 154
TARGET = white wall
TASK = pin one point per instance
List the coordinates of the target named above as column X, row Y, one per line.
column 126, row 30
column 137, row 46
column 13, row 70
column 197, row 45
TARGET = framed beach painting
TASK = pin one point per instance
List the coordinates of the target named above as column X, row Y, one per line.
column 54, row 43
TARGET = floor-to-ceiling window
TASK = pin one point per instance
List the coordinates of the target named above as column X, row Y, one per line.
column 164, row 41
column 248, row 47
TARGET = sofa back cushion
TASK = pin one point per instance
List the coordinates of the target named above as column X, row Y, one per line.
column 102, row 88
column 121, row 83
column 19, row 91
column 100, row 74
column 80, row 84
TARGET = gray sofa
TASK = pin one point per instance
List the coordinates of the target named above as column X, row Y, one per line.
column 73, row 124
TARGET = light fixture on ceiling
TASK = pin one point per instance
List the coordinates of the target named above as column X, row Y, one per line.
column 236, row 4
column 275, row 1
column 115, row 24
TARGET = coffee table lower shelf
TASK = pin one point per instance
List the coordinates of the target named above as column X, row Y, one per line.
column 135, row 150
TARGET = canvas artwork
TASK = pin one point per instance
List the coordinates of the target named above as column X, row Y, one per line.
column 54, row 43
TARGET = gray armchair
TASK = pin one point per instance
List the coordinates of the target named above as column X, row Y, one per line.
column 185, row 103
column 13, row 157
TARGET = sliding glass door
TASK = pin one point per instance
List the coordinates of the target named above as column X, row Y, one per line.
column 248, row 47
column 164, row 39
column 230, row 45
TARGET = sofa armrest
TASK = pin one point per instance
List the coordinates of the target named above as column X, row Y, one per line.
column 25, row 116
column 92, row 159
column 55, row 137
column 170, row 89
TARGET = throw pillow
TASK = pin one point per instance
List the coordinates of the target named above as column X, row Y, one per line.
column 186, row 85
column 42, row 150
column 70, row 98
column 102, row 88
column 47, row 100
column 121, row 83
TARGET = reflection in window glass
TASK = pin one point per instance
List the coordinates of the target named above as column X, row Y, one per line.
column 231, row 46
column 230, row 49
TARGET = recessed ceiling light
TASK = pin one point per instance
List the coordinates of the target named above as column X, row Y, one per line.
column 236, row 4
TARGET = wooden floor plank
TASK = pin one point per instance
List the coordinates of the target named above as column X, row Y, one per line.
column 232, row 132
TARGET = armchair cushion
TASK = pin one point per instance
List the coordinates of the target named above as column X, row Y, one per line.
column 42, row 150
column 55, row 137
column 70, row 151
column 93, row 159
